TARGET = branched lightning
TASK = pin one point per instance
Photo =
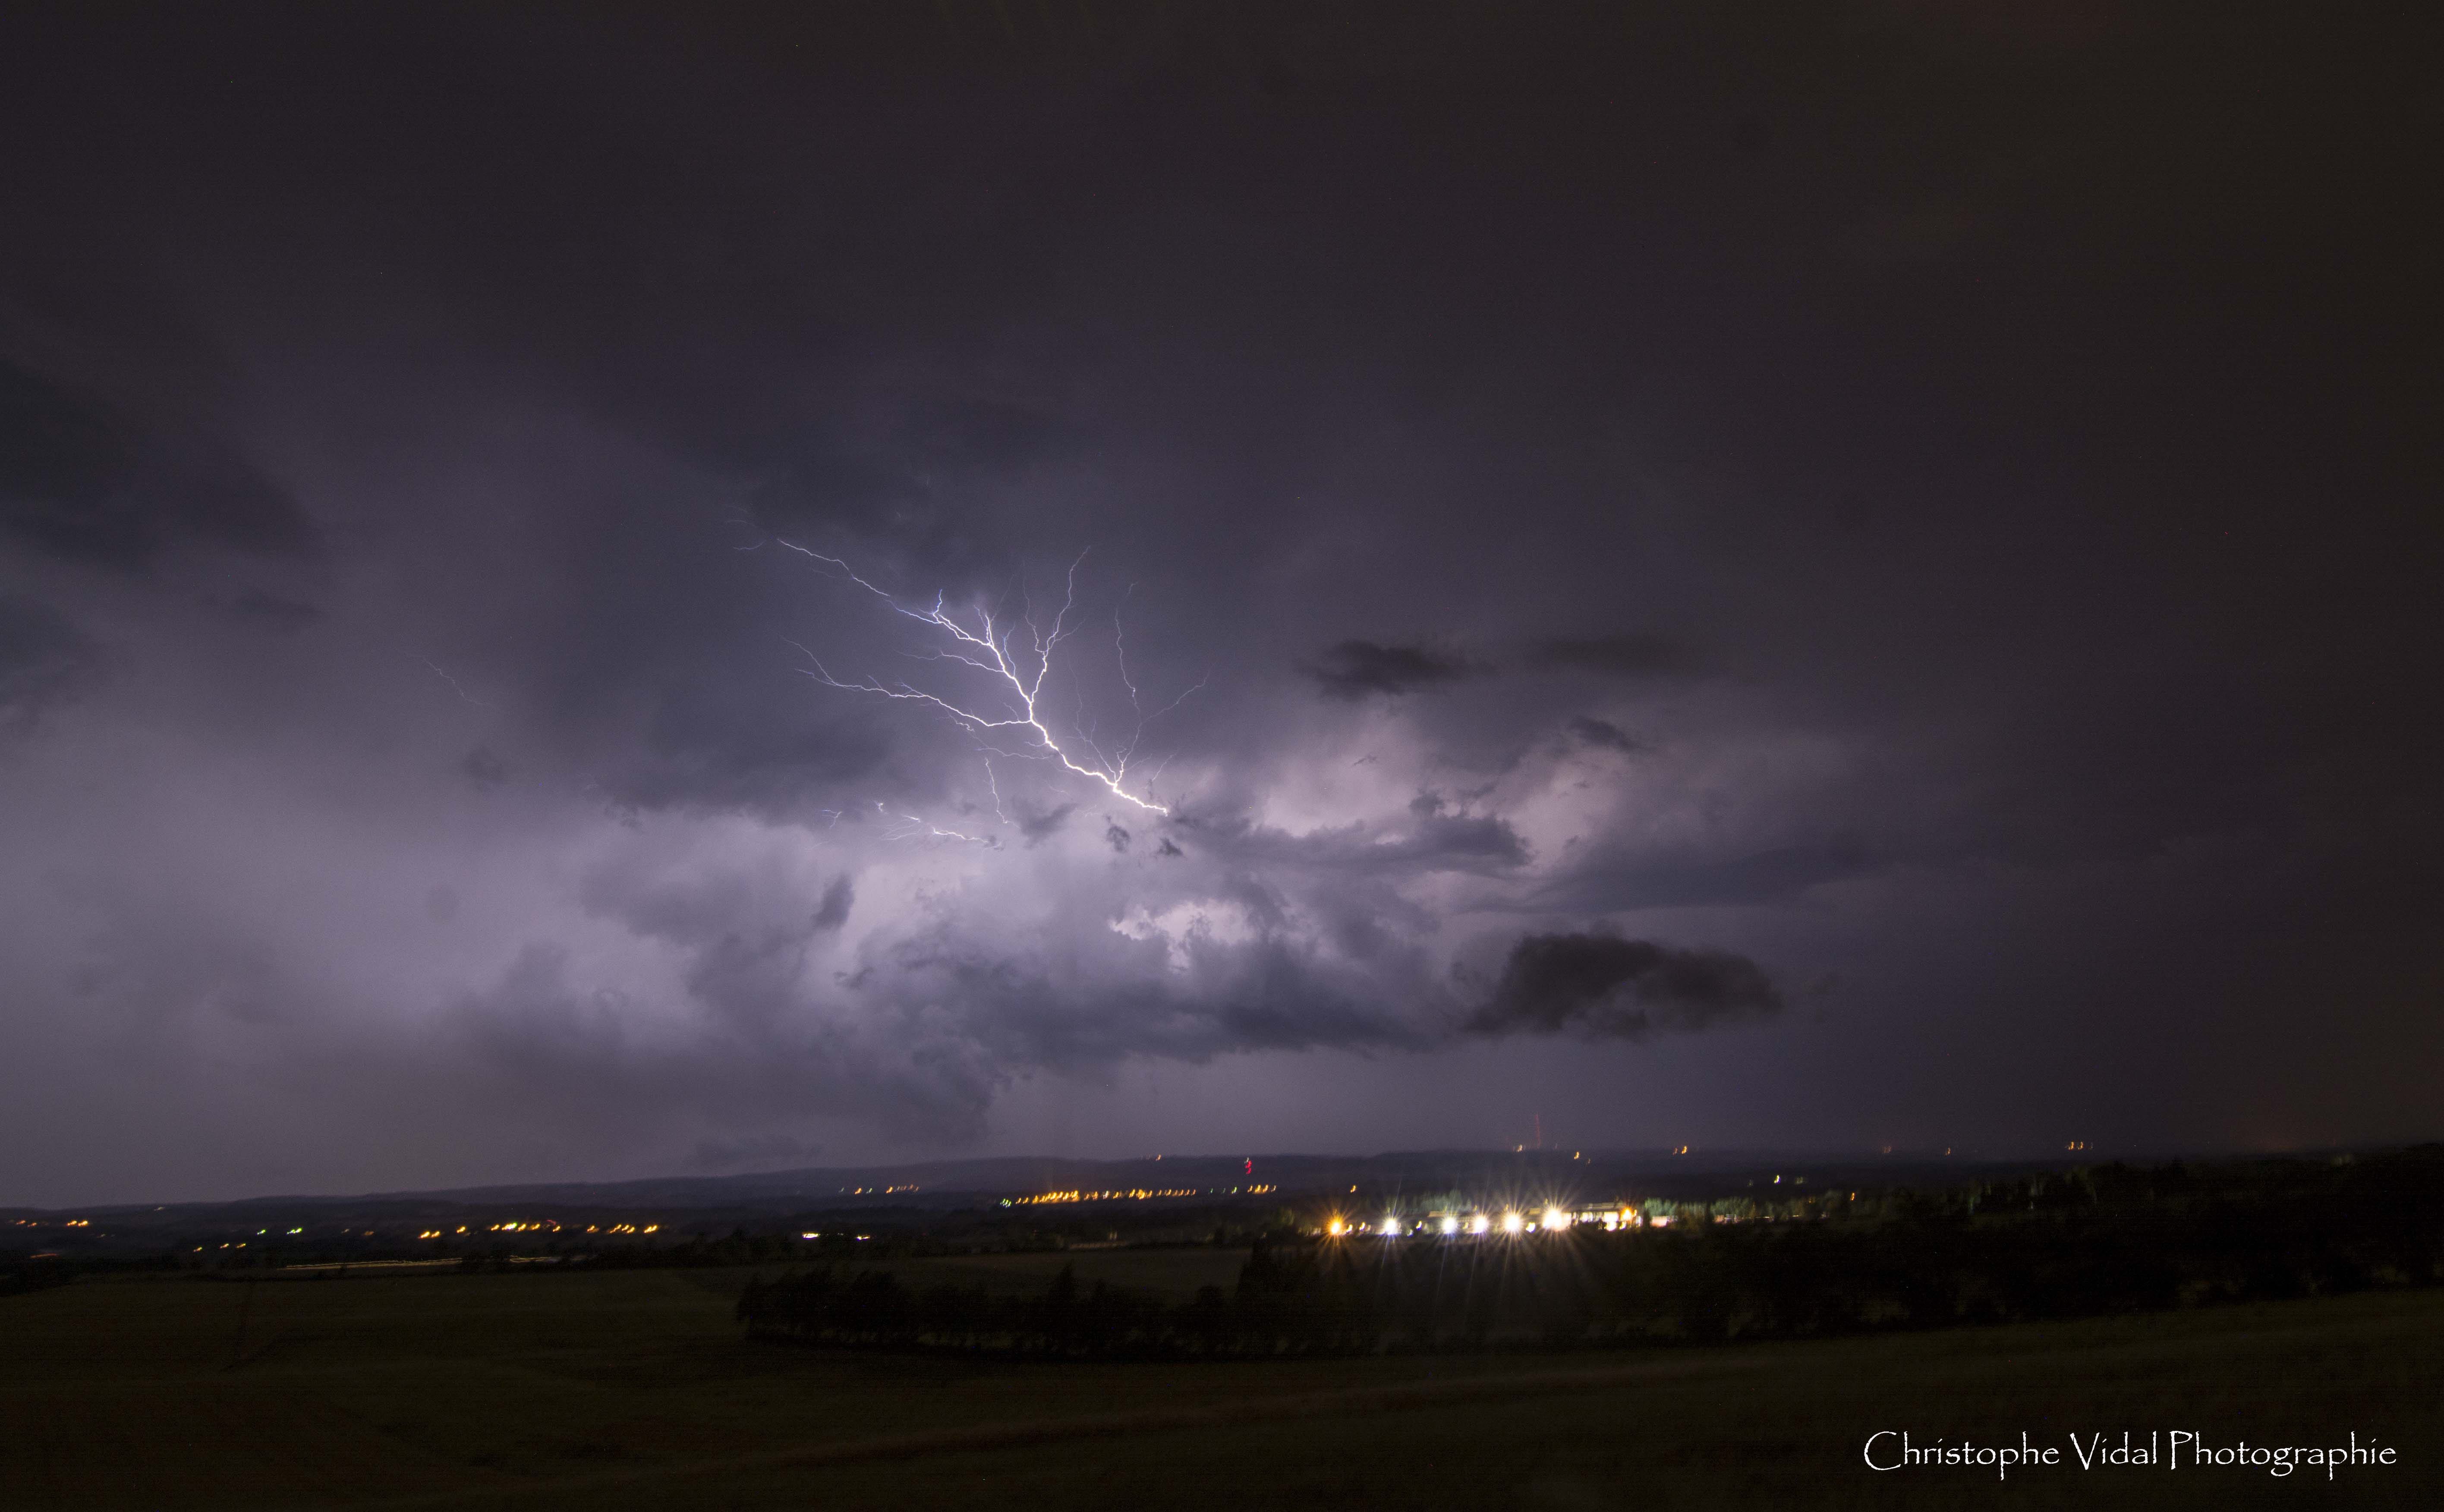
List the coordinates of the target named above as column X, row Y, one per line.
column 995, row 785
column 455, row 686
column 909, row 827
column 1020, row 668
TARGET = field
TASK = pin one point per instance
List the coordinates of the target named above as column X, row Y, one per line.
column 578, row 1390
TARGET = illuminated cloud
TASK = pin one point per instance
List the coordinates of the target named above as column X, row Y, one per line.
column 1608, row 595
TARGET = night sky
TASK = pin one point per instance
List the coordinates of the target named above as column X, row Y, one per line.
column 1819, row 577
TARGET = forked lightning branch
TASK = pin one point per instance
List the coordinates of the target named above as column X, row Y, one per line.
column 1018, row 669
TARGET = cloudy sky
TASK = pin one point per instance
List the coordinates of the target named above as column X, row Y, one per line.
column 1833, row 578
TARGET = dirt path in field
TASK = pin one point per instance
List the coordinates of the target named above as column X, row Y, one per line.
column 1027, row 1433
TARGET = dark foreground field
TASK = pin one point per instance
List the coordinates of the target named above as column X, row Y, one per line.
column 552, row 1391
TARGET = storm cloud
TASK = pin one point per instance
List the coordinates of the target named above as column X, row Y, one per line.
column 83, row 482
column 1358, row 669
column 1518, row 531
column 1604, row 987
column 1605, row 734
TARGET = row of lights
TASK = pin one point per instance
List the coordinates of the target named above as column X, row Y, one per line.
column 1450, row 1224
column 1134, row 1194
column 522, row 1227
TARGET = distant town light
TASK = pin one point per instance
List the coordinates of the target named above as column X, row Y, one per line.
column 1451, row 1226
column 1391, row 1227
column 1513, row 1224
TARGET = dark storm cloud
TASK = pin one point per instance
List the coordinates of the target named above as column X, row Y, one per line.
column 1637, row 656
column 44, row 661
column 831, row 910
column 2035, row 417
column 83, row 482
column 1603, row 733
column 1607, row 987
column 1360, row 669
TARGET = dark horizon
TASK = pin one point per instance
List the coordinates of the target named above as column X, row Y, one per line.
column 1910, row 1168
column 1860, row 580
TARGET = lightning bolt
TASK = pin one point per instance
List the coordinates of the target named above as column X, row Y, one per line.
column 1020, row 668
column 908, row 827
column 455, row 686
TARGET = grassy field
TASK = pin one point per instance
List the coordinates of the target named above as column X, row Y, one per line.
column 553, row 1391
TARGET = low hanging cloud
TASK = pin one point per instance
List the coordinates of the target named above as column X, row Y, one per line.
column 1360, row 669
column 1604, row 987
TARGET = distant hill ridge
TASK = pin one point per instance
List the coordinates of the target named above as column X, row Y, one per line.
column 963, row 1182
